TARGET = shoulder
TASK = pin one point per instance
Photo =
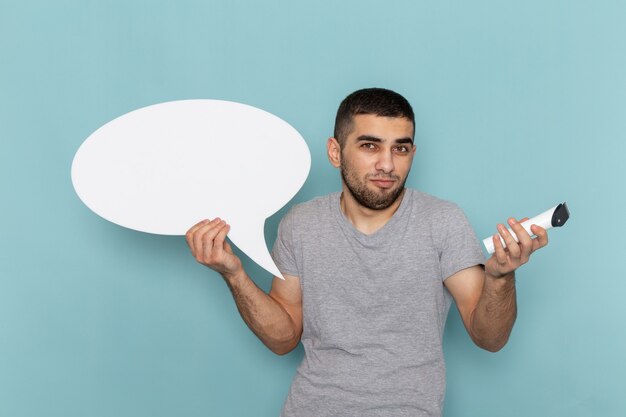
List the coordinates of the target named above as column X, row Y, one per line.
column 306, row 222
column 311, row 211
column 441, row 218
column 314, row 207
column 431, row 206
column 449, row 228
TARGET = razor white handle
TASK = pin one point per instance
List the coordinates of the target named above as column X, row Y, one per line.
column 555, row 217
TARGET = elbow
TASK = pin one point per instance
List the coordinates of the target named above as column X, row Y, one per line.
column 492, row 345
column 281, row 352
column 283, row 349
column 492, row 348
column 284, row 344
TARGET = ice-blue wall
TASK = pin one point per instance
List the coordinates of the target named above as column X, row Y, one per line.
column 520, row 105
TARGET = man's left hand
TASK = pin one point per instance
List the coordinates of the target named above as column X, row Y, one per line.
column 505, row 261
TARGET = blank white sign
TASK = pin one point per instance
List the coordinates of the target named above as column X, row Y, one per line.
column 162, row 168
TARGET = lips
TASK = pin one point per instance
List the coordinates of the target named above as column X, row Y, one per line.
column 383, row 183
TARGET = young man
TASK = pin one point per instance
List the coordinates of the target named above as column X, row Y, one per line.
column 369, row 276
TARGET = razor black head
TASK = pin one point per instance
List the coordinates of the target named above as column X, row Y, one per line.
column 560, row 215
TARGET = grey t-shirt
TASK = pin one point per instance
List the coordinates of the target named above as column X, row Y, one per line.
column 374, row 306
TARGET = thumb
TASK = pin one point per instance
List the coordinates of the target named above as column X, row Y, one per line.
column 227, row 247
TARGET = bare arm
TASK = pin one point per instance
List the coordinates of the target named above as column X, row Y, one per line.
column 487, row 306
column 486, row 299
column 276, row 318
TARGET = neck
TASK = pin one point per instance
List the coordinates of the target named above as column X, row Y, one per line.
column 364, row 219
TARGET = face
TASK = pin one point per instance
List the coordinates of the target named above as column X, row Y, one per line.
column 376, row 159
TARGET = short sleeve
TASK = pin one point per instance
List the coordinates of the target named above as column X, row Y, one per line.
column 284, row 247
column 460, row 248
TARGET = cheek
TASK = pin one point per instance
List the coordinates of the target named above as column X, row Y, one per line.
column 359, row 165
column 403, row 164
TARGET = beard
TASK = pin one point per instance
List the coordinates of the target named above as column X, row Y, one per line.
column 373, row 200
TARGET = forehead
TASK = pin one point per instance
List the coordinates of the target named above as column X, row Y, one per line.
column 381, row 127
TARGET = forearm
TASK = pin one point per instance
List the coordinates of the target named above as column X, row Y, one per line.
column 267, row 319
column 495, row 313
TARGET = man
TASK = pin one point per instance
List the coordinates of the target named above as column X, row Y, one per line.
column 369, row 276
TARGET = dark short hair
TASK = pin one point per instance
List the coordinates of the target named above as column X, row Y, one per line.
column 377, row 101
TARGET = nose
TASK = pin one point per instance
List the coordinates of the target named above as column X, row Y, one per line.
column 385, row 162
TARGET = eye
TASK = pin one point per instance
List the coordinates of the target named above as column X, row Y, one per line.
column 402, row 149
column 368, row 146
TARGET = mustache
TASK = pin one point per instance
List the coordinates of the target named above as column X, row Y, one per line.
column 382, row 177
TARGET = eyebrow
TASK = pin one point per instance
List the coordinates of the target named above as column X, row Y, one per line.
column 369, row 138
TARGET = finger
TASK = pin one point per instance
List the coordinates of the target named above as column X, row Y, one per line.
column 218, row 242
column 524, row 239
column 208, row 237
column 192, row 230
column 523, row 220
column 227, row 247
column 542, row 237
column 500, row 253
column 198, row 225
column 511, row 244
column 199, row 237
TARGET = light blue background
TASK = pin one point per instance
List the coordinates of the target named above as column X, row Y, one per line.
column 520, row 105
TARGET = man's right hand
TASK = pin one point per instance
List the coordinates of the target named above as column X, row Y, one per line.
column 276, row 318
column 207, row 241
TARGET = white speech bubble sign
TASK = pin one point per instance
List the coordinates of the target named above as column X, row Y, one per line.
column 162, row 168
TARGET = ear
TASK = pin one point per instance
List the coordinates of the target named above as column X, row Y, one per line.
column 334, row 152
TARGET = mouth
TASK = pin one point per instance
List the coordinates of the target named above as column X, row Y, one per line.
column 383, row 183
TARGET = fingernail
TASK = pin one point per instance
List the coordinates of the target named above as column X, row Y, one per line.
column 512, row 221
